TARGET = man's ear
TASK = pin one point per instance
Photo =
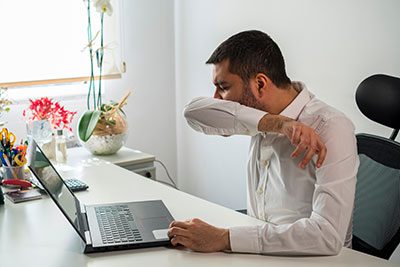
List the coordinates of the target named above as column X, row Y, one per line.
column 261, row 84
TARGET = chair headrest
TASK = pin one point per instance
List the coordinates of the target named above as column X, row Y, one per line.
column 378, row 98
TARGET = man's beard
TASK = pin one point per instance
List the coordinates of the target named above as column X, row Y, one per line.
column 247, row 98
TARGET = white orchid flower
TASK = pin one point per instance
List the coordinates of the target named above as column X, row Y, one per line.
column 103, row 6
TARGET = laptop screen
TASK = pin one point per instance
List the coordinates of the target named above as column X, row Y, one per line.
column 52, row 182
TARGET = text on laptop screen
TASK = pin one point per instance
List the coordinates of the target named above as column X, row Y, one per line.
column 51, row 180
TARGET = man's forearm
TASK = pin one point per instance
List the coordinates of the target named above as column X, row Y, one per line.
column 221, row 117
column 273, row 123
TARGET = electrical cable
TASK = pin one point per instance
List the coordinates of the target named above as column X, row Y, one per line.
column 169, row 177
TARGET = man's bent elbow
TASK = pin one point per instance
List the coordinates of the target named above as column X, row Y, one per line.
column 187, row 112
column 334, row 247
column 335, row 251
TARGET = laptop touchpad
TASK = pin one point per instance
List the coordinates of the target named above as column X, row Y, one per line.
column 155, row 223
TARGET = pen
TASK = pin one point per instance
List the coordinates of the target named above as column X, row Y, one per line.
column 2, row 158
column 6, row 161
column 11, row 157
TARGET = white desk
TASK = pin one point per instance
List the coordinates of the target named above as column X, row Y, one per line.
column 130, row 159
column 37, row 234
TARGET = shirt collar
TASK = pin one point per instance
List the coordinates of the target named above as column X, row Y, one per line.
column 294, row 109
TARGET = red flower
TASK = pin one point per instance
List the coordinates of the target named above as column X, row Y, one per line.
column 44, row 108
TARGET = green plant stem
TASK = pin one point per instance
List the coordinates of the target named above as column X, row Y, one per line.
column 99, row 102
column 89, row 37
column 92, row 85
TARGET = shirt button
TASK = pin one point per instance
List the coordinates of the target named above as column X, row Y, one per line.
column 260, row 191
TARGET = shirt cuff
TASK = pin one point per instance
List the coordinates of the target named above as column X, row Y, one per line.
column 250, row 117
column 244, row 239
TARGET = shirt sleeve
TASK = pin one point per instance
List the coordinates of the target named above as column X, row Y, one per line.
column 324, row 232
column 220, row 117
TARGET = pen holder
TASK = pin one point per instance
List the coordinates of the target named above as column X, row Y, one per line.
column 14, row 172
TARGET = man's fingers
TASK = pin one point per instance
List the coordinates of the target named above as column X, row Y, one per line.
column 311, row 150
column 176, row 231
column 299, row 150
column 309, row 155
column 321, row 154
column 296, row 132
column 179, row 224
column 180, row 240
column 308, row 142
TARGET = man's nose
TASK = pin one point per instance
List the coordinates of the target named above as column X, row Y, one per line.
column 217, row 95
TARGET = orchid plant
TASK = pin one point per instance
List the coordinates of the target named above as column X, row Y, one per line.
column 47, row 109
column 90, row 118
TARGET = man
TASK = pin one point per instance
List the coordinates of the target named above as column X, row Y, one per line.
column 307, row 207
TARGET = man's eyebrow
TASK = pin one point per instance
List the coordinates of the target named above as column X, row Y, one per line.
column 221, row 83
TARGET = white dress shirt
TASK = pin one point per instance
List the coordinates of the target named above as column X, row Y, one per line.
column 308, row 210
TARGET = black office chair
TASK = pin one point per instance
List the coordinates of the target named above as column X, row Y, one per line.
column 376, row 221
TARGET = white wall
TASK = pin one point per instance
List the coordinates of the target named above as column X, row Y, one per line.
column 330, row 45
column 149, row 50
column 149, row 54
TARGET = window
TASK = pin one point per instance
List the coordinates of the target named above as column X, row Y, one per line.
column 44, row 42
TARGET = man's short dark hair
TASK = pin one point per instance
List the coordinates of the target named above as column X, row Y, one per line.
column 252, row 52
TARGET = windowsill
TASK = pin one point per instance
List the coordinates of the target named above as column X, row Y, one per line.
column 57, row 92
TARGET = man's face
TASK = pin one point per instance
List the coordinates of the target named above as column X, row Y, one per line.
column 229, row 86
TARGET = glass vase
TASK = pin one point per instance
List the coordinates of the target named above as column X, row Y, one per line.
column 40, row 130
column 109, row 135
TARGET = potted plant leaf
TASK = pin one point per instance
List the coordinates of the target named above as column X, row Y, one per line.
column 104, row 131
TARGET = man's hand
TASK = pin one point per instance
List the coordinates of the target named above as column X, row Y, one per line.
column 306, row 141
column 198, row 235
column 302, row 136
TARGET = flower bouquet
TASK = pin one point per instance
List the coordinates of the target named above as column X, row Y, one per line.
column 43, row 117
column 45, row 108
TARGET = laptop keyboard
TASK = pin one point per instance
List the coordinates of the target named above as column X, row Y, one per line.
column 116, row 224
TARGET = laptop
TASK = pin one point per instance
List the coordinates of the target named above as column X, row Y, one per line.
column 103, row 227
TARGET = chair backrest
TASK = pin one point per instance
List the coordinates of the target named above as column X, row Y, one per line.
column 378, row 98
column 376, row 220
